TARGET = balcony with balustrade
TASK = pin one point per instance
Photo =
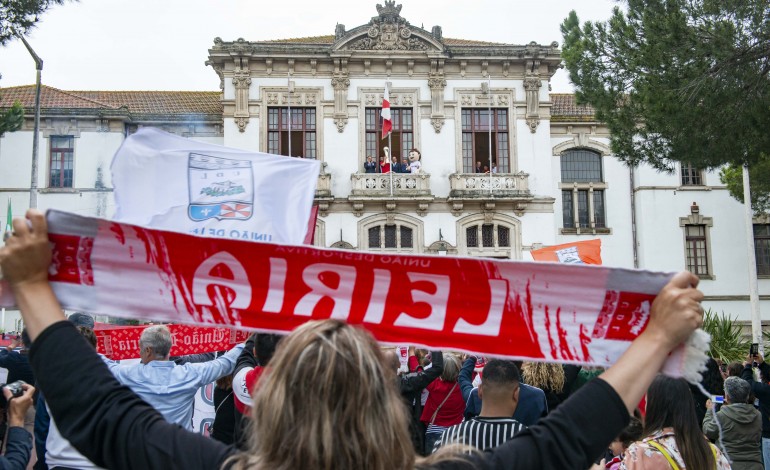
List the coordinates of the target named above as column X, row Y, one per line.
column 391, row 189
column 489, row 188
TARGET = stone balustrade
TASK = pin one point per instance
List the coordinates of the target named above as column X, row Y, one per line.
column 379, row 185
column 501, row 185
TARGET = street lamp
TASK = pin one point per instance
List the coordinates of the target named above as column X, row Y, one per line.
column 35, row 138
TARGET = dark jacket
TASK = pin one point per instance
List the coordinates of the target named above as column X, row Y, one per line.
column 411, row 386
column 111, row 426
column 18, row 449
column 741, row 434
column 370, row 167
column 762, row 392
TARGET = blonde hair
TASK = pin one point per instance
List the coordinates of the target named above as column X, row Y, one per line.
column 544, row 376
column 327, row 402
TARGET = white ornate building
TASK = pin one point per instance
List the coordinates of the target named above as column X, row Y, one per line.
column 556, row 179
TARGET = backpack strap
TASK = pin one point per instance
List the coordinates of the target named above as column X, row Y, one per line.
column 435, row 413
column 665, row 453
column 714, row 451
column 671, row 460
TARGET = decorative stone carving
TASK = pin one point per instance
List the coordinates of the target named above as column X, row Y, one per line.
column 339, row 31
column 422, row 209
column 532, row 123
column 457, row 208
column 371, row 99
column 466, row 100
column 269, row 66
column 502, row 100
column 218, row 70
column 389, row 32
column 358, row 209
column 340, row 83
column 272, row 98
column 242, row 82
column 340, row 123
column 532, row 84
column 436, row 83
column 313, row 66
column 241, row 123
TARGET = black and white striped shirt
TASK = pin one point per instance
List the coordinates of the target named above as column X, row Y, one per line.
column 482, row 433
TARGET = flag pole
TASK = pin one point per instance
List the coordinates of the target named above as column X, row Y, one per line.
column 489, row 87
column 288, row 93
column 390, row 164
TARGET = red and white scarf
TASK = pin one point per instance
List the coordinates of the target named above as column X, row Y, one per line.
column 531, row 311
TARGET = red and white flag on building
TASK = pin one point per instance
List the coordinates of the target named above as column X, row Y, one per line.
column 387, row 124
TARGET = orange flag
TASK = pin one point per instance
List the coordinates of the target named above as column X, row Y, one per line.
column 585, row 252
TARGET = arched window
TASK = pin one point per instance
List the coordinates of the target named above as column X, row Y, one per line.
column 582, row 185
column 400, row 234
column 493, row 238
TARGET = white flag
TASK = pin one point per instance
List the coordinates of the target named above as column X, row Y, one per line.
column 171, row 183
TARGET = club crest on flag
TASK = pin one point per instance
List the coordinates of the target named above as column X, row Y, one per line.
column 220, row 188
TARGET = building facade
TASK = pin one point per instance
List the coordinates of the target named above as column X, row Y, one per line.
column 547, row 175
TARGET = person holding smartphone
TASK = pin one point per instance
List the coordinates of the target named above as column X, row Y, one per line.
column 762, row 392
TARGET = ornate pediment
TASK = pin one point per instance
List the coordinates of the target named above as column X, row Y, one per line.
column 387, row 31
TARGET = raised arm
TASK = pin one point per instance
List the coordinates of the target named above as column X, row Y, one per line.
column 465, row 378
column 219, row 367
column 423, row 379
column 601, row 408
column 104, row 420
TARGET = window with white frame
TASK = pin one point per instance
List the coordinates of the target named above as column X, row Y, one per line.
column 61, row 161
column 691, row 175
column 583, row 187
column 762, row 248
column 485, row 139
column 297, row 138
column 697, row 243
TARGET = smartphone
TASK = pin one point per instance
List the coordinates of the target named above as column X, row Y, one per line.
column 718, row 399
column 754, row 351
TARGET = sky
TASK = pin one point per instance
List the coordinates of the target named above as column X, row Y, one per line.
column 163, row 44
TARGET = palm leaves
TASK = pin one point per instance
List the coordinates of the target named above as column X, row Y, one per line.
column 727, row 341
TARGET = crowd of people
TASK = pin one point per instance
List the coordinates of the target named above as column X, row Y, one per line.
column 328, row 396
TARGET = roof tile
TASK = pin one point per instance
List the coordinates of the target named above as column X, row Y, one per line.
column 565, row 108
column 136, row 102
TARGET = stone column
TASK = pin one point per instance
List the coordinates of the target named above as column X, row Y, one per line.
column 437, row 83
column 242, row 81
column 532, row 84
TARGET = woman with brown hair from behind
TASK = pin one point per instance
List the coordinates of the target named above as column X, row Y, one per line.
column 673, row 439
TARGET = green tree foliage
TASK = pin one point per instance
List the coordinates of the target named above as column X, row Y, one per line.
column 19, row 16
column 677, row 80
column 759, row 179
column 11, row 119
